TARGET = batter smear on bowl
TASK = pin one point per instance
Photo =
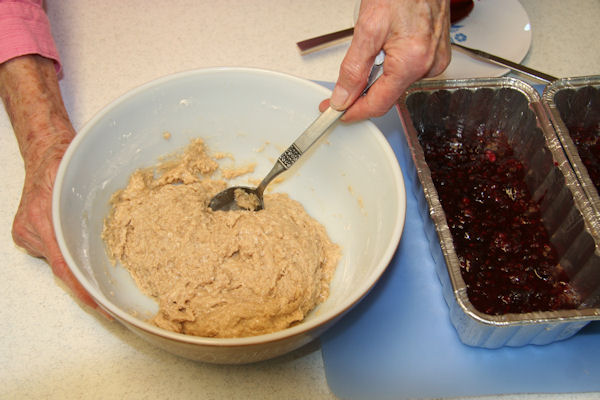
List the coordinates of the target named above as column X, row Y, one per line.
column 217, row 274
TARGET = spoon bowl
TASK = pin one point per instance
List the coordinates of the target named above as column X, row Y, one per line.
column 238, row 198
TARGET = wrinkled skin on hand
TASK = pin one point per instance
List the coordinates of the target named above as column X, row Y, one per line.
column 32, row 227
column 31, row 95
column 415, row 35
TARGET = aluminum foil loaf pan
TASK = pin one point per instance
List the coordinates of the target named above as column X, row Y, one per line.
column 573, row 105
column 486, row 112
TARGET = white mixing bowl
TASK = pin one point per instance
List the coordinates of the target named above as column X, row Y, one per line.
column 350, row 182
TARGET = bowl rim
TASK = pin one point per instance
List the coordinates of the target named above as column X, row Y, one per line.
column 303, row 327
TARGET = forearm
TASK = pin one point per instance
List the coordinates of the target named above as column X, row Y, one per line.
column 31, row 95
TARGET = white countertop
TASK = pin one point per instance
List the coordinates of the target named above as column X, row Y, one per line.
column 54, row 348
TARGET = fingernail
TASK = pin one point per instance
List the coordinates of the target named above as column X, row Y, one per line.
column 338, row 97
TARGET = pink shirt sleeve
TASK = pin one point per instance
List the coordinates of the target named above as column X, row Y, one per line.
column 25, row 29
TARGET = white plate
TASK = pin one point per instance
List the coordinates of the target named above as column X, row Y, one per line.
column 499, row 27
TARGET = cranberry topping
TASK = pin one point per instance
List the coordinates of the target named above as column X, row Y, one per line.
column 580, row 111
column 507, row 260
column 459, row 9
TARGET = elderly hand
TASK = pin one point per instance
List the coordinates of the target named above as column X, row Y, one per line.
column 415, row 37
column 31, row 95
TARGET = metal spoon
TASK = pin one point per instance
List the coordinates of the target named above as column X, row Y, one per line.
column 253, row 197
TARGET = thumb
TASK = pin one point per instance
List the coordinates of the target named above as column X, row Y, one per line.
column 64, row 273
column 354, row 72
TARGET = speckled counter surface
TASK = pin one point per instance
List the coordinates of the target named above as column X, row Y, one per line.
column 52, row 347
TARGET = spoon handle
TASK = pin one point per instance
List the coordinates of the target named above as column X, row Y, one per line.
column 310, row 136
column 316, row 130
column 301, row 145
column 325, row 121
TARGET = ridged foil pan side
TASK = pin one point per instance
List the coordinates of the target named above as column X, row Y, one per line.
column 577, row 99
column 550, row 176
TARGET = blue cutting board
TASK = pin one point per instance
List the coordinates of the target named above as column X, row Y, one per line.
column 399, row 342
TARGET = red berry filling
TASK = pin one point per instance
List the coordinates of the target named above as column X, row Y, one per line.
column 507, row 260
column 580, row 111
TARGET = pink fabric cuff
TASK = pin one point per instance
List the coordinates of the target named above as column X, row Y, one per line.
column 25, row 29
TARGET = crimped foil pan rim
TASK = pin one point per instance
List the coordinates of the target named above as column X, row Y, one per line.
column 439, row 218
